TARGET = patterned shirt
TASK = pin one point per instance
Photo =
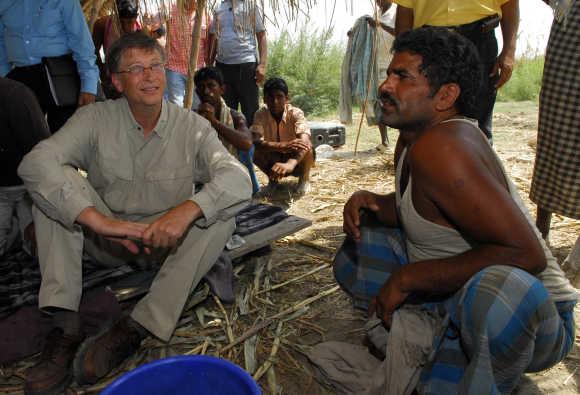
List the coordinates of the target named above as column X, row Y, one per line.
column 179, row 38
column 292, row 125
column 136, row 176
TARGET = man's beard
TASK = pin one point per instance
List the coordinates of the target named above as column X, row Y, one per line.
column 396, row 122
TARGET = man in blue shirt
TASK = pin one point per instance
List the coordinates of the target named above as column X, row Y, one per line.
column 236, row 29
column 33, row 29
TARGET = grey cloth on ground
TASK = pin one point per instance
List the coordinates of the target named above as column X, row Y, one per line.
column 572, row 261
column 220, row 278
column 408, row 347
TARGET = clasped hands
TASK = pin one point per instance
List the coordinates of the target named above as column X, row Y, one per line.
column 282, row 169
column 296, row 145
column 164, row 232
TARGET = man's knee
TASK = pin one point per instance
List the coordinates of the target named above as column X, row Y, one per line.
column 309, row 159
column 507, row 281
column 264, row 160
column 502, row 303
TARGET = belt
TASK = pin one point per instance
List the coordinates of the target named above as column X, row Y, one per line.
column 481, row 26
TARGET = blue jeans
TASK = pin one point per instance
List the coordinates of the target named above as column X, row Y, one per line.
column 247, row 159
column 175, row 89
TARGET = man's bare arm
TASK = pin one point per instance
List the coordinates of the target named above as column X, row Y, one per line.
column 469, row 196
column 301, row 146
column 373, row 22
column 239, row 136
column 263, row 53
column 510, row 21
column 404, row 20
column 212, row 43
column 382, row 205
column 271, row 146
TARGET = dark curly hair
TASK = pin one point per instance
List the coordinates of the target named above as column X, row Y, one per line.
column 447, row 57
column 275, row 83
column 208, row 73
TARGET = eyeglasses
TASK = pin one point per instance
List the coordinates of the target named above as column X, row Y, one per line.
column 137, row 69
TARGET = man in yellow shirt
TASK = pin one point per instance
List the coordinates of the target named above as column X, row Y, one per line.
column 475, row 20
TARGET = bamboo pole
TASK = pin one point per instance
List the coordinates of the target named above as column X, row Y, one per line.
column 199, row 14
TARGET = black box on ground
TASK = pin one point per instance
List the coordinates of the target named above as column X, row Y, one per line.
column 331, row 133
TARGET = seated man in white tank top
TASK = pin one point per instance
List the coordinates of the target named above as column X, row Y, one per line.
column 454, row 236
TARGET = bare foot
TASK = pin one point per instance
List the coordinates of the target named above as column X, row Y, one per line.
column 283, row 169
column 303, row 188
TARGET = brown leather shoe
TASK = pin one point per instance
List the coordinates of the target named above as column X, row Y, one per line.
column 53, row 373
column 100, row 354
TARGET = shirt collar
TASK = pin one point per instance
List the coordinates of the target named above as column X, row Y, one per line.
column 159, row 129
column 285, row 113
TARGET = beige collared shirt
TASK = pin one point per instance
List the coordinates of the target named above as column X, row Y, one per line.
column 135, row 176
column 292, row 125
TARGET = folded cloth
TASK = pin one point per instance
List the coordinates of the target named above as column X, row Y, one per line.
column 220, row 278
column 256, row 217
column 408, row 347
column 347, row 368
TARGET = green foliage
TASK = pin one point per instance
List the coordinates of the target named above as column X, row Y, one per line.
column 525, row 81
column 310, row 63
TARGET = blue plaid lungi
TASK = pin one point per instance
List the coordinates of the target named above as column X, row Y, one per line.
column 502, row 322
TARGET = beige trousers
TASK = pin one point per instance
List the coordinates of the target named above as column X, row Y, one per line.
column 60, row 252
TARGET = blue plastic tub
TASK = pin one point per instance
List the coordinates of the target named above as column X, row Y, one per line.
column 197, row 374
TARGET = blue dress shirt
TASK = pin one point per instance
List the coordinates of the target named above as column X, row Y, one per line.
column 31, row 29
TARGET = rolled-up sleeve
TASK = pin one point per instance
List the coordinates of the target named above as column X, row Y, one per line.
column 300, row 124
column 44, row 169
column 79, row 40
column 229, row 186
column 259, row 122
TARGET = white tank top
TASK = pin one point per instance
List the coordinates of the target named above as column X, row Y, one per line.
column 427, row 240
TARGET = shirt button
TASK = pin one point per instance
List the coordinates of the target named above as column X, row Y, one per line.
column 27, row 42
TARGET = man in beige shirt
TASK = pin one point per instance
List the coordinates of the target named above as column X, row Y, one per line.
column 282, row 138
column 143, row 157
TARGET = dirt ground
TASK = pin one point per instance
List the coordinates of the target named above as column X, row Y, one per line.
column 306, row 308
column 334, row 181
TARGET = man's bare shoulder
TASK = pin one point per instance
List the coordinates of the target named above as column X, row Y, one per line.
column 447, row 149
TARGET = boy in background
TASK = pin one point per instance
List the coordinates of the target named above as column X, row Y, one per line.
column 282, row 138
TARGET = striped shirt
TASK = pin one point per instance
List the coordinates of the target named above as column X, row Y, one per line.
column 179, row 38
